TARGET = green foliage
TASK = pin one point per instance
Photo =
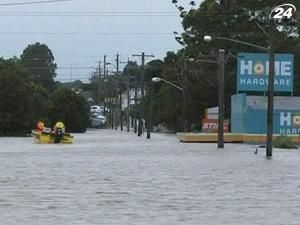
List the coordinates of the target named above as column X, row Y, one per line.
column 284, row 142
column 237, row 19
column 168, row 101
column 244, row 20
column 77, row 84
column 41, row 102
column 24, row 95
column 39, row 60
column 70, row 108
column 16, row 102
column 133, row 71
column 167, row 107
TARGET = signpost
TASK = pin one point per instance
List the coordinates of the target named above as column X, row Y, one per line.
column 253, row 72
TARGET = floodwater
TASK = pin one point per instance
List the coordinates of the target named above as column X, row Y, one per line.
column 112, row 177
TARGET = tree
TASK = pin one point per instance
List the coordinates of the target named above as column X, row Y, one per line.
column 41, row 102
column 153, row 69
column 198, row 93
column 241, row 20
column 17, row 114
column 133, row 72
column 70, row 108
column 39, row 60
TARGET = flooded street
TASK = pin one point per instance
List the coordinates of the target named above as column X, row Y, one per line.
column 111, row 177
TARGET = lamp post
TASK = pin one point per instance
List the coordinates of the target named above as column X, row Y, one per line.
column 158, row 79
column 271, row 51
column 149, row 116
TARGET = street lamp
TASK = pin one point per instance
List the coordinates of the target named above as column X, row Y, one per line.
column 209, row 38
column 271, row 51
column 158, row 79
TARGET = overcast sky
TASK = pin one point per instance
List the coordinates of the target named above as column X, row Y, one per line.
column 80, row 32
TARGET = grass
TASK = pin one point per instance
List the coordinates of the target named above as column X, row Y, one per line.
column 284, row 142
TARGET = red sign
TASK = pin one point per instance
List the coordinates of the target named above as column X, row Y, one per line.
column 211, row 125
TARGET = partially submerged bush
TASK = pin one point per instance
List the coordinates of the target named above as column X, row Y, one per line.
column 284, row 142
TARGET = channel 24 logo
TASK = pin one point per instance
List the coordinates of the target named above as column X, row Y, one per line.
column 283, row 12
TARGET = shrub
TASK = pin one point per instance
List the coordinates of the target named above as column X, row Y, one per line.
column 284, row 142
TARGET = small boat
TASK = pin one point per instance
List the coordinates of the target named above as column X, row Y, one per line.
column 49, row 137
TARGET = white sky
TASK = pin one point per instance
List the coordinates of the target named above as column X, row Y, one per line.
column 77, row 40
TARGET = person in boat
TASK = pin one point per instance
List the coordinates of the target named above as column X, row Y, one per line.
column 58, row 130
column 40, row 126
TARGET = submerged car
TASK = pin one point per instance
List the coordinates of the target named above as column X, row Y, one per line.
column 98, row 121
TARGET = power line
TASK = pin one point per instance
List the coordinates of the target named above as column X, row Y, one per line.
column 86, row 14
column 74, row 67
column 89, row 33
column 32, row 2
column 95, row 12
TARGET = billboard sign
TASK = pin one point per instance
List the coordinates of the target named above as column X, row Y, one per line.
column 212, row 113
column 211, row 125
column 289, row 123
column 253, row 72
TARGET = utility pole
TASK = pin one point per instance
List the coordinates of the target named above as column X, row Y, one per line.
column 126, row 81
column 142, row 106
column 99, row 83
column 111, row 101
column 149, row 120
column 183, row 95
column 269, row 147
column 128, row 97
column 118, row 96
column 135, row 103
column 104, row 66
column 104, row 84
column 221, row 63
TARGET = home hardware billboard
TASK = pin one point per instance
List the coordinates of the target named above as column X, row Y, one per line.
column 249, row 114
column 289, row 123
column 253, row 72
